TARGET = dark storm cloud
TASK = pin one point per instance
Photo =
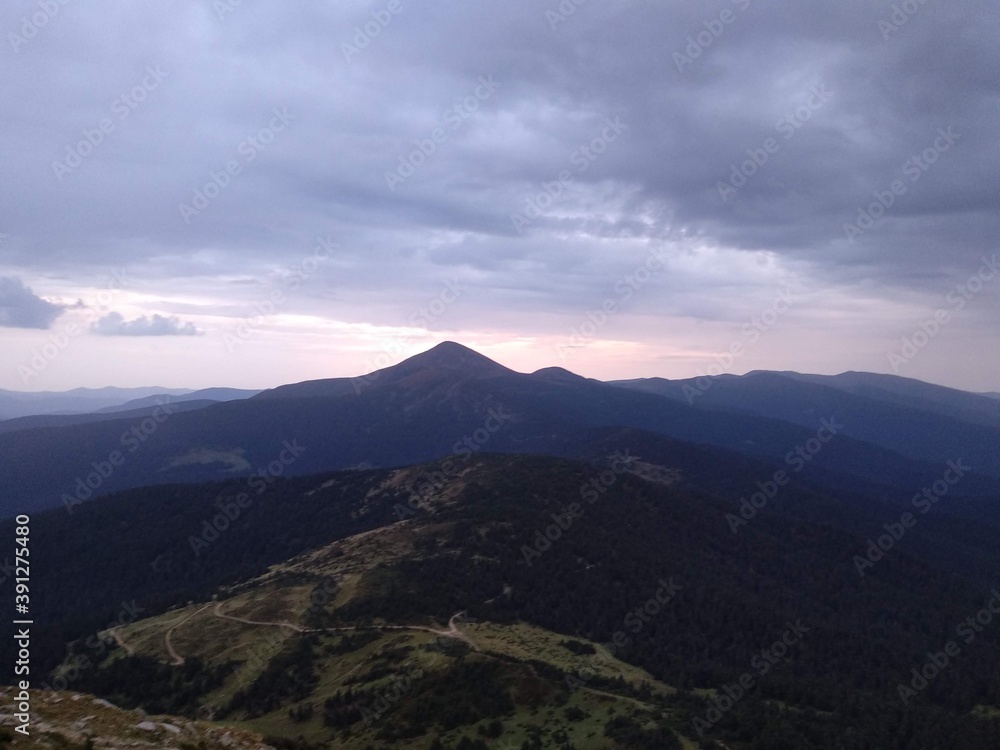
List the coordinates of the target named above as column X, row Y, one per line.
column 824, row 103
column 22, row 308
column 114, row 324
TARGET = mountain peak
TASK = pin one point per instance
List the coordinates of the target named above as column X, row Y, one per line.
column 448, row 361
column 452, row 349
column 557, row 375
column 449, row 355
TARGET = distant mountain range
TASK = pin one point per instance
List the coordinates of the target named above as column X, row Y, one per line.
column 80, row 400
column 14, row 404
column 912, row 418
column 893, row 435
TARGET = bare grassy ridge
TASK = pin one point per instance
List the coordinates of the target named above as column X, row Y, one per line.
column 259, row 619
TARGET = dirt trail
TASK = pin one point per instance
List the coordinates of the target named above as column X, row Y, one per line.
column 454, row 632
column 297, row 628
column 451, row 632
column 117, row 635
column 178, row 660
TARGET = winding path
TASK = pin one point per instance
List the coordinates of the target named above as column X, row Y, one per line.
column 451, row 632
column 291, row 626
column 117, row 635
column 178, row 660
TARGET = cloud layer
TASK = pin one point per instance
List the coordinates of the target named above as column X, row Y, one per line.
column 531, row 154
column 22, row 308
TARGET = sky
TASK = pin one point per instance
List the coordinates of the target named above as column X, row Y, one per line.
column 226, row 193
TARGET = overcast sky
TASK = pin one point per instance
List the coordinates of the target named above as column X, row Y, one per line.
column 245, row 193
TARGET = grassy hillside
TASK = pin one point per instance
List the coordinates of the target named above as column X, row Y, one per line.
column 360, row 580
column 290, row 674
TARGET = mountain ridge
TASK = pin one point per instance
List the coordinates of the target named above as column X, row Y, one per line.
column 433, row 404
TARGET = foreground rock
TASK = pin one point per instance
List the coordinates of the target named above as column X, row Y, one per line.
column 60, row 720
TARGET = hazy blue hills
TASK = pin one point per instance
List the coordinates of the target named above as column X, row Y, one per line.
column 15, row 404
column 918, row 420
column 79, row 400
column 453, row 400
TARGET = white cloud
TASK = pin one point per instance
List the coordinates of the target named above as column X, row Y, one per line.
column 114, row 324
